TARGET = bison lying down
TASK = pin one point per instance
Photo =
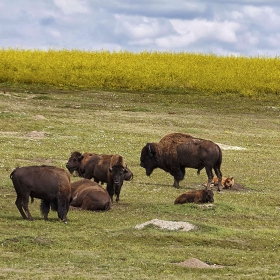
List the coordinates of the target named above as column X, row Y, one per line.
column 200, row 196
column 110, row 169
column 176, row 151
column 88, row 195
column 227, row 183
column 48, row 183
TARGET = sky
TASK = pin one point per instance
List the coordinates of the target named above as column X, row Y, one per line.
column 241, row 27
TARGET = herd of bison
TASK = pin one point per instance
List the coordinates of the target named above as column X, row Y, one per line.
column 173, row 153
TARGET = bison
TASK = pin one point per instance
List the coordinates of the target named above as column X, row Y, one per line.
column 199, row 196
column 177, row 151
column 48, row 183
column 88, row 195
column 227, row 183
column 90, row 165
column 109, row 169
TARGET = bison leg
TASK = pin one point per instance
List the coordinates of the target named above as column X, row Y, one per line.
column 19, row 206
column 210, row 177
column 62, row 208
column 110, row 190
column 45, row 208
column 24, row 203
column 179, row 176
column 219, row 175
column 176, row 183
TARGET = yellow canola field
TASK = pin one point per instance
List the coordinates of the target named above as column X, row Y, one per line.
column 145, row 71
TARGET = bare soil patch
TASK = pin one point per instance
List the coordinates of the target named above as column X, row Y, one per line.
column 168, row 225
column 39, row 117
column 236, row 187
column 195, row 263
column 36, row 134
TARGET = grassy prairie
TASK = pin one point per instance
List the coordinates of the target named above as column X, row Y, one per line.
column 241, row 231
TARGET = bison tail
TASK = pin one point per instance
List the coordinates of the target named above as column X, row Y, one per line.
column 217, row 166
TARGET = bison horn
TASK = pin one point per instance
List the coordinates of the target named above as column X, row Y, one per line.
column 150, row 151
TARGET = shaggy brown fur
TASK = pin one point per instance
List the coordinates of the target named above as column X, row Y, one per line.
column 48, row 183
column 177, row 151
column 200, row 196
column 110, row 169
column 90, row 165
column 88, row 195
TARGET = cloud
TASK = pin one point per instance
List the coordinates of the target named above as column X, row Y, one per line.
column 215, row 26
column 72, row 6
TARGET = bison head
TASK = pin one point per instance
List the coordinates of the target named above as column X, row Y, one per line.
column 74, row 162
column 208, row 196
column 117, row 174
column 148, row 158
column 229, row 182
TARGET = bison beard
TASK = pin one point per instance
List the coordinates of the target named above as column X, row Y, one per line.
column 177, row 151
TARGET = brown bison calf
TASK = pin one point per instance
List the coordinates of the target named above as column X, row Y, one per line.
column 88, row 195
column 227, row 183
column 199, row 196
column 48, row 183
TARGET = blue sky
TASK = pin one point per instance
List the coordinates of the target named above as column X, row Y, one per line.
column 248, row 28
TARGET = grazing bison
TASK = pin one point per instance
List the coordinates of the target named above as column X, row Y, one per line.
column 200, row 196
column 227, row 183
column 109, row 169
column 177, row 151
column 48, row 183
column 88, row 195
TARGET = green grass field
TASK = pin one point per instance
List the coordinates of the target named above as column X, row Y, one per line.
column 241, row 231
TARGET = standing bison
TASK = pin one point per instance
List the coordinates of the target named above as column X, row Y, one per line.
column 90, row 165
column 110, row 169
column 177, row 151
column 48, row 183
column 88, row 195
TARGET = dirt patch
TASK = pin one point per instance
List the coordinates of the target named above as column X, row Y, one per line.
column 168, row 225
column 195, row 263
column 206, row 205
column 227, row 147
column 39, row 117
column 36, row 134
column 236, row 187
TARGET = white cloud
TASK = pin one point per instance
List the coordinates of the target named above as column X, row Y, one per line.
column 202, row 29
column 72, row 6
column 142, row 27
